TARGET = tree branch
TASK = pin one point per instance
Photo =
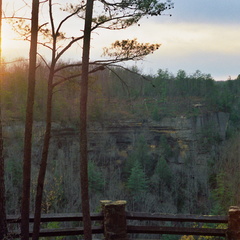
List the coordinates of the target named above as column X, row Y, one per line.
column 69, row 16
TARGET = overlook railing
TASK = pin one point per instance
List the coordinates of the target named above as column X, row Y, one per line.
column 115, row 223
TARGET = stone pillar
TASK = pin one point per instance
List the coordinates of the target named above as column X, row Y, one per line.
column 114, row 220
column 233, row 232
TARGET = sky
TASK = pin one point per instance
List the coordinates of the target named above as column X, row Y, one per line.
column 199, row 35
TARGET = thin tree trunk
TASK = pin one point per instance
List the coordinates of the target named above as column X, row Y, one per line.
column 3, row 222
column 29, row 124
column 43, row 165
column 83, row 123
column 47, row 137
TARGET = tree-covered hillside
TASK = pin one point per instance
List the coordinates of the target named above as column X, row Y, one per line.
column 145, row 176
column 117, row 93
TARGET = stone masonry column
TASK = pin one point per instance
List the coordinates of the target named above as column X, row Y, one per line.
column 114, row 220
column 233, row 232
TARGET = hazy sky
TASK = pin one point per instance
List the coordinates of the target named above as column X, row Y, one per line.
column 200, row 35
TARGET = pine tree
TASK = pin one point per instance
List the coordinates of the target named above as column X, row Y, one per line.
column 95, row 178
column 137, row 182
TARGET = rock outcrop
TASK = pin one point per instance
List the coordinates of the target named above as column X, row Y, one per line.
column 193, row 144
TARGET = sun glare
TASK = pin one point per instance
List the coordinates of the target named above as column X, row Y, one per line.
column 11, row 47
column 7, row 34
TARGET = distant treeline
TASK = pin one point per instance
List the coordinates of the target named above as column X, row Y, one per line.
column 120, row 93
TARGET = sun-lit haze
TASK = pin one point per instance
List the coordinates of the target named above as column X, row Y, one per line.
column 11, row 47
column 200, row 35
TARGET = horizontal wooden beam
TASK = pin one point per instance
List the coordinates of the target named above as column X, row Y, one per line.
column 61, row 232
column 57, row 217
column 68, row 217
column 176, row 217
column 176, row 230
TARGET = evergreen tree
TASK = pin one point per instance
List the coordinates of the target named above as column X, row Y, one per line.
column 95, row 178
column 140, row 154
column 163, row 171
column 137, row 182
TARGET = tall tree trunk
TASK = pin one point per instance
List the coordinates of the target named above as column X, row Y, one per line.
column 83, row 123
column 3, row 222
column 29, row 124
column 45, row 151
column 47, row 136
column 43, row 165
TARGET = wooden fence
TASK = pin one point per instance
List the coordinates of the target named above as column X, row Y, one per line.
column 115, row 223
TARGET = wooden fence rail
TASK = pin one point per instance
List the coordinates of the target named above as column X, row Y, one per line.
column 59, row 217
column 62, row 217
column 115, row 223
column 176, row 217
column 177, row 230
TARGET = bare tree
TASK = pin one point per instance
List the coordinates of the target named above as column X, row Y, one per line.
column 83, row 122
column 29, row 123
column 116, row 15
column 53, row 70
column 3, row 222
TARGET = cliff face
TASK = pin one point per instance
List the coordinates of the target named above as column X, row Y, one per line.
column 192, row 144
column 193, row 136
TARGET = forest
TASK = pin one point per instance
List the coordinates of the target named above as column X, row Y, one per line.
column 76, row 132
column 118, row 94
